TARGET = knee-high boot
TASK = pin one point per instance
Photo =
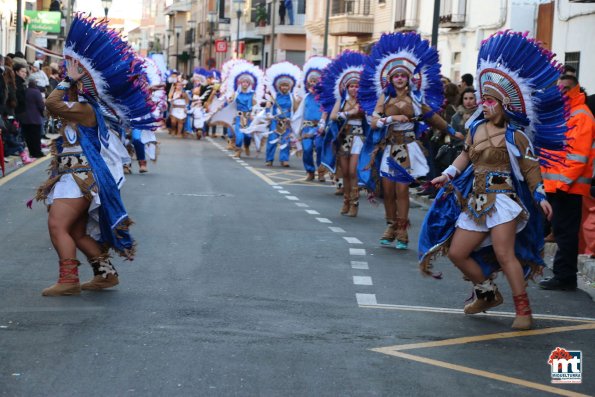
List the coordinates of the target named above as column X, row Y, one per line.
column 68, row 280
column 353, row 202
column 104, row 274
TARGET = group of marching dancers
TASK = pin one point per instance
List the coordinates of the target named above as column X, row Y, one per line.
column 361, row 117
column 357, row 116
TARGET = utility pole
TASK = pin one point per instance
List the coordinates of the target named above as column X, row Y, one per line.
column 435, row 23
column 273, row 32
column 326, row 27
column 19, row 36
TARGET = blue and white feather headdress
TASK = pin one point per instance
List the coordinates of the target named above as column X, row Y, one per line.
column 342, row 71
column 523, row 76
column 245, row 71
column 313, row 69
column 114, row 78
column 407, row 52
column 154, row 76
column 284, row 72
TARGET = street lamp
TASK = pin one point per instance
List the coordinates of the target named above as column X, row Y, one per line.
column 212, row 17
column 192, row 24
column 178, row 30
column 239, row 4
column 106, row 5
column 170, row 33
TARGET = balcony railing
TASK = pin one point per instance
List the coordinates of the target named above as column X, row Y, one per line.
column 350, row 7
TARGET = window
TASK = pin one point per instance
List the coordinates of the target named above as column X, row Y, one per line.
column 573, row 59
column 301, row 8
column 400, row 15
column 296, row 57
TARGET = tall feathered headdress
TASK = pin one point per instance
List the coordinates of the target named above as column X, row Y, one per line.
column 114, row 79
column 154, row 75
column 245, row 71
column 402, row 52
column 523, row 75
column 200, row 74
column 338, row 74
column 226, row 70
column 313, row 68
column 283, row 72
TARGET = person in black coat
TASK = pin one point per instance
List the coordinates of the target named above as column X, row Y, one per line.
column 20, row 72
column 32, row 119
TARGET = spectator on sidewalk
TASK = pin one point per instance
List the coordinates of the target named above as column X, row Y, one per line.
column 567, row 183
column 20, row 72
column 32, row 120
column 466, row 82
column 41, row 79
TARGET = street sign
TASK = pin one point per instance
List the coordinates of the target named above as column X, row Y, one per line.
column 220, row 46
column 225, row 20
column 44, row 21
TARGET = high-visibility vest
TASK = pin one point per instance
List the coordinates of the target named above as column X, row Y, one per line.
column 573, row 175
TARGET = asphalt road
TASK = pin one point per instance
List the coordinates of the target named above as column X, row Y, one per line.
column 248, row 282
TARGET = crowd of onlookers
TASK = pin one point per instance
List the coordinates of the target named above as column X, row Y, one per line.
column 23, row 88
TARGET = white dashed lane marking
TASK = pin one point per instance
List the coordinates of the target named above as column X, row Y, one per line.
column 313, row 212
column 360, row 265
column 292, row 198
column 302, row 205
column 336, row 229
column 357, row 251
column 352, row 240
column 366, row 299
column 324, row 220
column 283, row 191
column 277, row 187
column 362, row 280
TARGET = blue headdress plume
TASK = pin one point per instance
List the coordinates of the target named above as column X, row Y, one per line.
column 407, row 52
column 114, row 81
column 523, row 75
column 343, row 69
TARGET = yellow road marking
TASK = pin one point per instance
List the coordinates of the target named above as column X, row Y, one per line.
column 448, row 310
column 23, row 169
column 485, row 374
column 480, row 338
column 261, row 176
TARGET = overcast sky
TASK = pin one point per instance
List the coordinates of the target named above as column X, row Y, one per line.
column 130, row 10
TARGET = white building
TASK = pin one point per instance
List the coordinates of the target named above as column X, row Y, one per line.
column 574, row 30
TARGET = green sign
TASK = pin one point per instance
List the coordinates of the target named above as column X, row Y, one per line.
column 44, row 21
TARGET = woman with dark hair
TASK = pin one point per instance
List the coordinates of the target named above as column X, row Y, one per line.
column 468, row 106
column 488, row 218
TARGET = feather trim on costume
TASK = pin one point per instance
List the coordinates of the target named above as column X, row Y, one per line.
column 114, row 77
column 402, row 51
column 284, row 72
column 331, row 89
column 242, row 70
column 523, row 75
column 314, row 66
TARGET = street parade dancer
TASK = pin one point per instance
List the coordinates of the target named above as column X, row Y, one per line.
column 144, row 140
column 244, row 89
column 282, row 80
column 178, row 103
column 347, row 128
column 488, row 216
column 311, row 119
column 402, row 90
column 104, row 90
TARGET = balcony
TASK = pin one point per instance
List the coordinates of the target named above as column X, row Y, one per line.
column 351, row 18
column 452, row 13
column 406, row 15
column 298, row 22
column 178, row 6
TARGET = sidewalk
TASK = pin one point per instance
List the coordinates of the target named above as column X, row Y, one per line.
column 13, row 163
column 586, row 265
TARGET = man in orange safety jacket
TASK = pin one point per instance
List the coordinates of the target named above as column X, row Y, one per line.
column 567, row 183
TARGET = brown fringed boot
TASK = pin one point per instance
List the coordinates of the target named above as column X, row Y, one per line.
column 523, row 319
column 401, row 234
column 104, row 274
column 388, row 236
column 142, row 166
column 68, row 280
column 487, row 296
column 345, row 207
column 353, row 202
